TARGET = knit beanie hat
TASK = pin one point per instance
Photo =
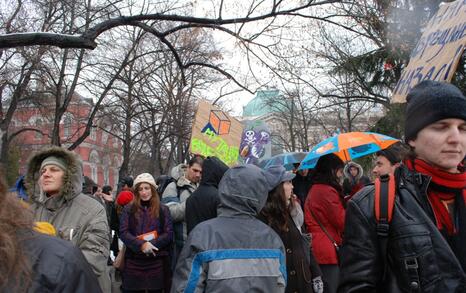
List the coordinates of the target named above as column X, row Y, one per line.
column 145, row 178
column 431, row 101
column 53, row 160
column 124, row 198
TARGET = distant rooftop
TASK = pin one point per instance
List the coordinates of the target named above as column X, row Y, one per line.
column 265, row 102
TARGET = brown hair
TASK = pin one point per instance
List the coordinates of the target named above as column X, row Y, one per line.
column 154, row 202
column 15, row 270
column 276, row 210
column 395, row 153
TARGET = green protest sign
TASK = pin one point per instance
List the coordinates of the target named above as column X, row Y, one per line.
column 215, row 133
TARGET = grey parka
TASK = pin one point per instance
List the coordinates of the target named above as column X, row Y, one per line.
column 76, row 217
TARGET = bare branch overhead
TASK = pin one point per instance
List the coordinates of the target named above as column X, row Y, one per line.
column 87, row 40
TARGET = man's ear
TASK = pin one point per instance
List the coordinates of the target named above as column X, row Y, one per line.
column 412, row 143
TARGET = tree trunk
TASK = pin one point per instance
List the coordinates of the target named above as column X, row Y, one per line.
column 4, row 148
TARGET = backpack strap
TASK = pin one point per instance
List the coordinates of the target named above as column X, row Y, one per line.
column 384, row 202
column 180, row 189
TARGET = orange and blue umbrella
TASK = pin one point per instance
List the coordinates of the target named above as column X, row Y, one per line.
column 348, row 146
column 286, row 160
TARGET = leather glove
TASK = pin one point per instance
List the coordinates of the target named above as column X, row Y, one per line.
column 148, row 248
column 318, row 285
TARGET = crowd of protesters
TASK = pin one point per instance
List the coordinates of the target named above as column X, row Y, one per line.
column 206, row 227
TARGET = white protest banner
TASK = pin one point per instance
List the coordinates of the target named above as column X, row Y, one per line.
column 439, row 50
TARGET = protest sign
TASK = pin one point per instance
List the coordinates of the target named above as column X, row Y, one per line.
column 215, row 133
column 439, row 50
column 256, row 143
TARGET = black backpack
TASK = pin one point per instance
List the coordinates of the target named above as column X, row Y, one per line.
column 162, row 183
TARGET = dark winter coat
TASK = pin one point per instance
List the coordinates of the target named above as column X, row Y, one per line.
column 143, row 271
column 202, row 204
column 300, row 273
column 301, row 186
column 57, row 266
column 327, row 206
column 419, row 257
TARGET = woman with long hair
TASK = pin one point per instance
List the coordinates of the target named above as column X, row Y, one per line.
column 147, row 231
column 281, row 213
column 324, row 214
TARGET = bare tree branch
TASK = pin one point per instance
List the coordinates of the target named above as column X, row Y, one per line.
column 229, row 76
column 87, row 39
column 16, row 133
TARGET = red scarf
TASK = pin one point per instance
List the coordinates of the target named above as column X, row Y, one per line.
column 454, row 181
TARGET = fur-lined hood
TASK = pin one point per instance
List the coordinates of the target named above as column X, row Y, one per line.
column 178, row 171
column 347, row 173
column 72, row 181
column 179, row 174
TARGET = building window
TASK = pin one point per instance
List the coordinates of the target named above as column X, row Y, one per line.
column 94, row 172
column 106, row 129
column 93, row 134
column 115, row 176
column 38, row 135
column 94, row 163
column 106, row 163
column 67, row 123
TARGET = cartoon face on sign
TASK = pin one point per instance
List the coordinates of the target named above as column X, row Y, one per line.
column 255, row 143
column 249, row 136
column 264, row 136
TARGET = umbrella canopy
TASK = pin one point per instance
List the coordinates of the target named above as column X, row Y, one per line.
column 286, row 160
column 348, row 146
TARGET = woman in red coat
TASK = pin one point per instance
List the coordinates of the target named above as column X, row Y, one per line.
column 324, row 215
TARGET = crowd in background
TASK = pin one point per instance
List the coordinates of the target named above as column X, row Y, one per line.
column 206, row 227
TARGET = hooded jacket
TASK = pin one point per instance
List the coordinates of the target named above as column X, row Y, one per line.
column 351, row 184
column 202, row 204
column 234, row 252
column 76, row 217
column 177, row 204
column 419, row 259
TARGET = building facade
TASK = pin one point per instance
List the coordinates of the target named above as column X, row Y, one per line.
column 277, row 111
column 100, row 152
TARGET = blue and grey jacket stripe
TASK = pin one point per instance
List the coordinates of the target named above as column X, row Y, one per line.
column 231, row 263
column 169, row 199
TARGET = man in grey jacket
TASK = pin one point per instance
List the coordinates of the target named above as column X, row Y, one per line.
column 54, row 183
column 234, row 252
column 175, row 196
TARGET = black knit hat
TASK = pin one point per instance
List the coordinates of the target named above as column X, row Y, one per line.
column 431, row 101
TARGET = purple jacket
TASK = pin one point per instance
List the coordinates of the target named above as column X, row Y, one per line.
column 142, row 271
